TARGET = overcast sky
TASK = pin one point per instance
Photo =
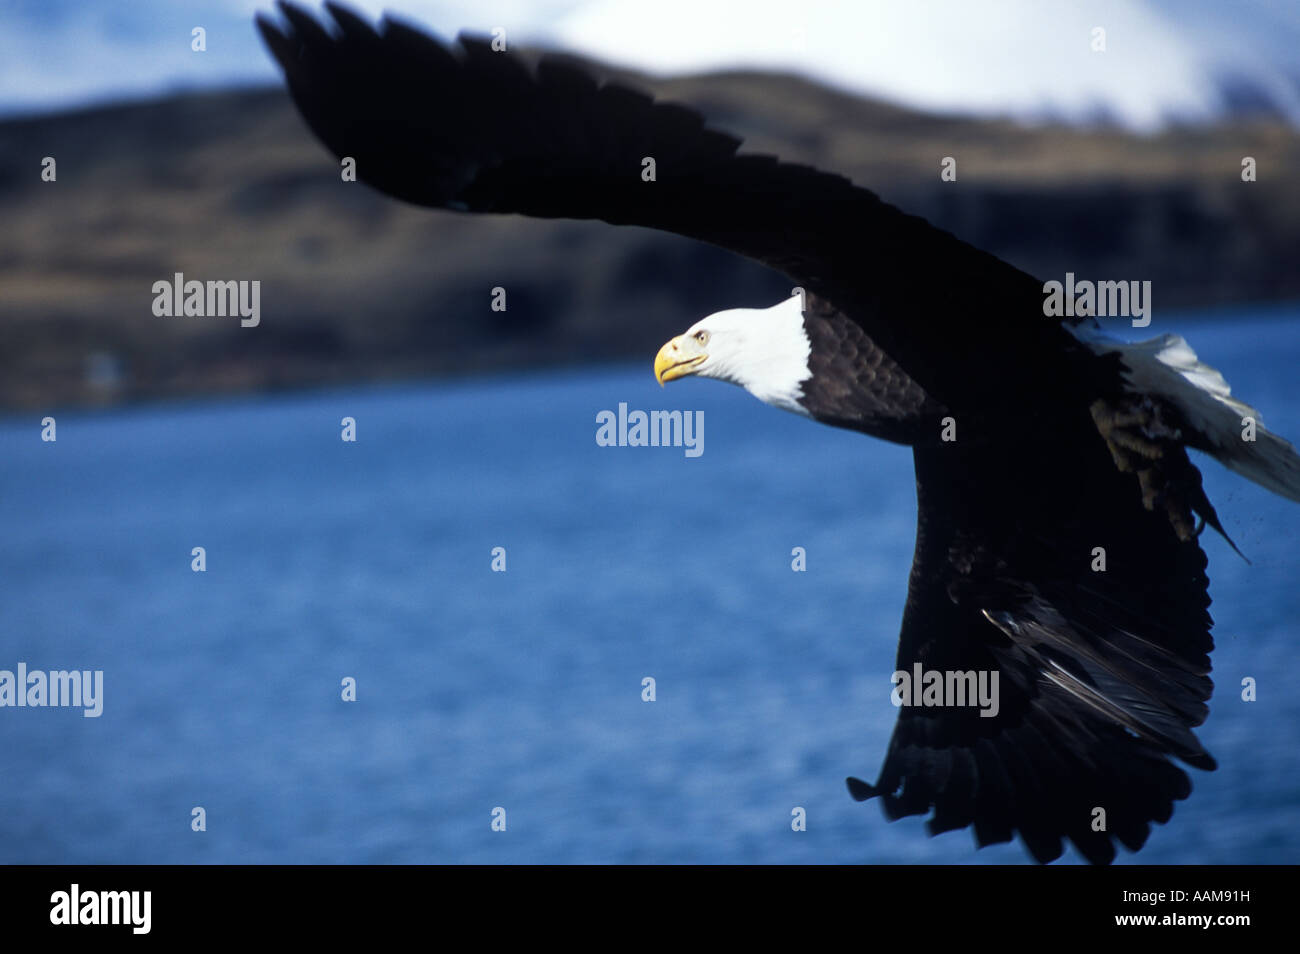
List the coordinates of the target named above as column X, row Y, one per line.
column 1029, row 58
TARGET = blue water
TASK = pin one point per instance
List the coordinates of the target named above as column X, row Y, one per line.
column 522, row 689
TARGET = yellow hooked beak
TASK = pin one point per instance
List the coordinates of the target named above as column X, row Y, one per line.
column 677, row 359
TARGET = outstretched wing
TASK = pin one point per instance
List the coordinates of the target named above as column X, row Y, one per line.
column 464, row 127
column 1043, row 565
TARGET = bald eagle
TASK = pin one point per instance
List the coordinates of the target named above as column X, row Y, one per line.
column 1067, row 443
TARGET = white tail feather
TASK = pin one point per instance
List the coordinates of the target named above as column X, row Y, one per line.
column 1168, row 367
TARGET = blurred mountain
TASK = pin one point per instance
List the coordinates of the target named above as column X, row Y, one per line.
column 357, row 287
column 1142, row 64
column 1158, row 61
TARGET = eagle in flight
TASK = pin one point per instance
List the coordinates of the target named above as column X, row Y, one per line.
column 1068, row 444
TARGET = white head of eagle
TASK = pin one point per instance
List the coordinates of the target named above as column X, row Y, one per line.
column 764, row 350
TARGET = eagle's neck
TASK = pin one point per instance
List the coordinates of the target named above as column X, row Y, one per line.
column 771, row 361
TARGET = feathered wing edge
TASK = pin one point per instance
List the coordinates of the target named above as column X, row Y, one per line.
column 1042, row 563
column 1166, row 368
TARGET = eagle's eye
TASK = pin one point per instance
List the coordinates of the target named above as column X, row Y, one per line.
column 702, row 337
